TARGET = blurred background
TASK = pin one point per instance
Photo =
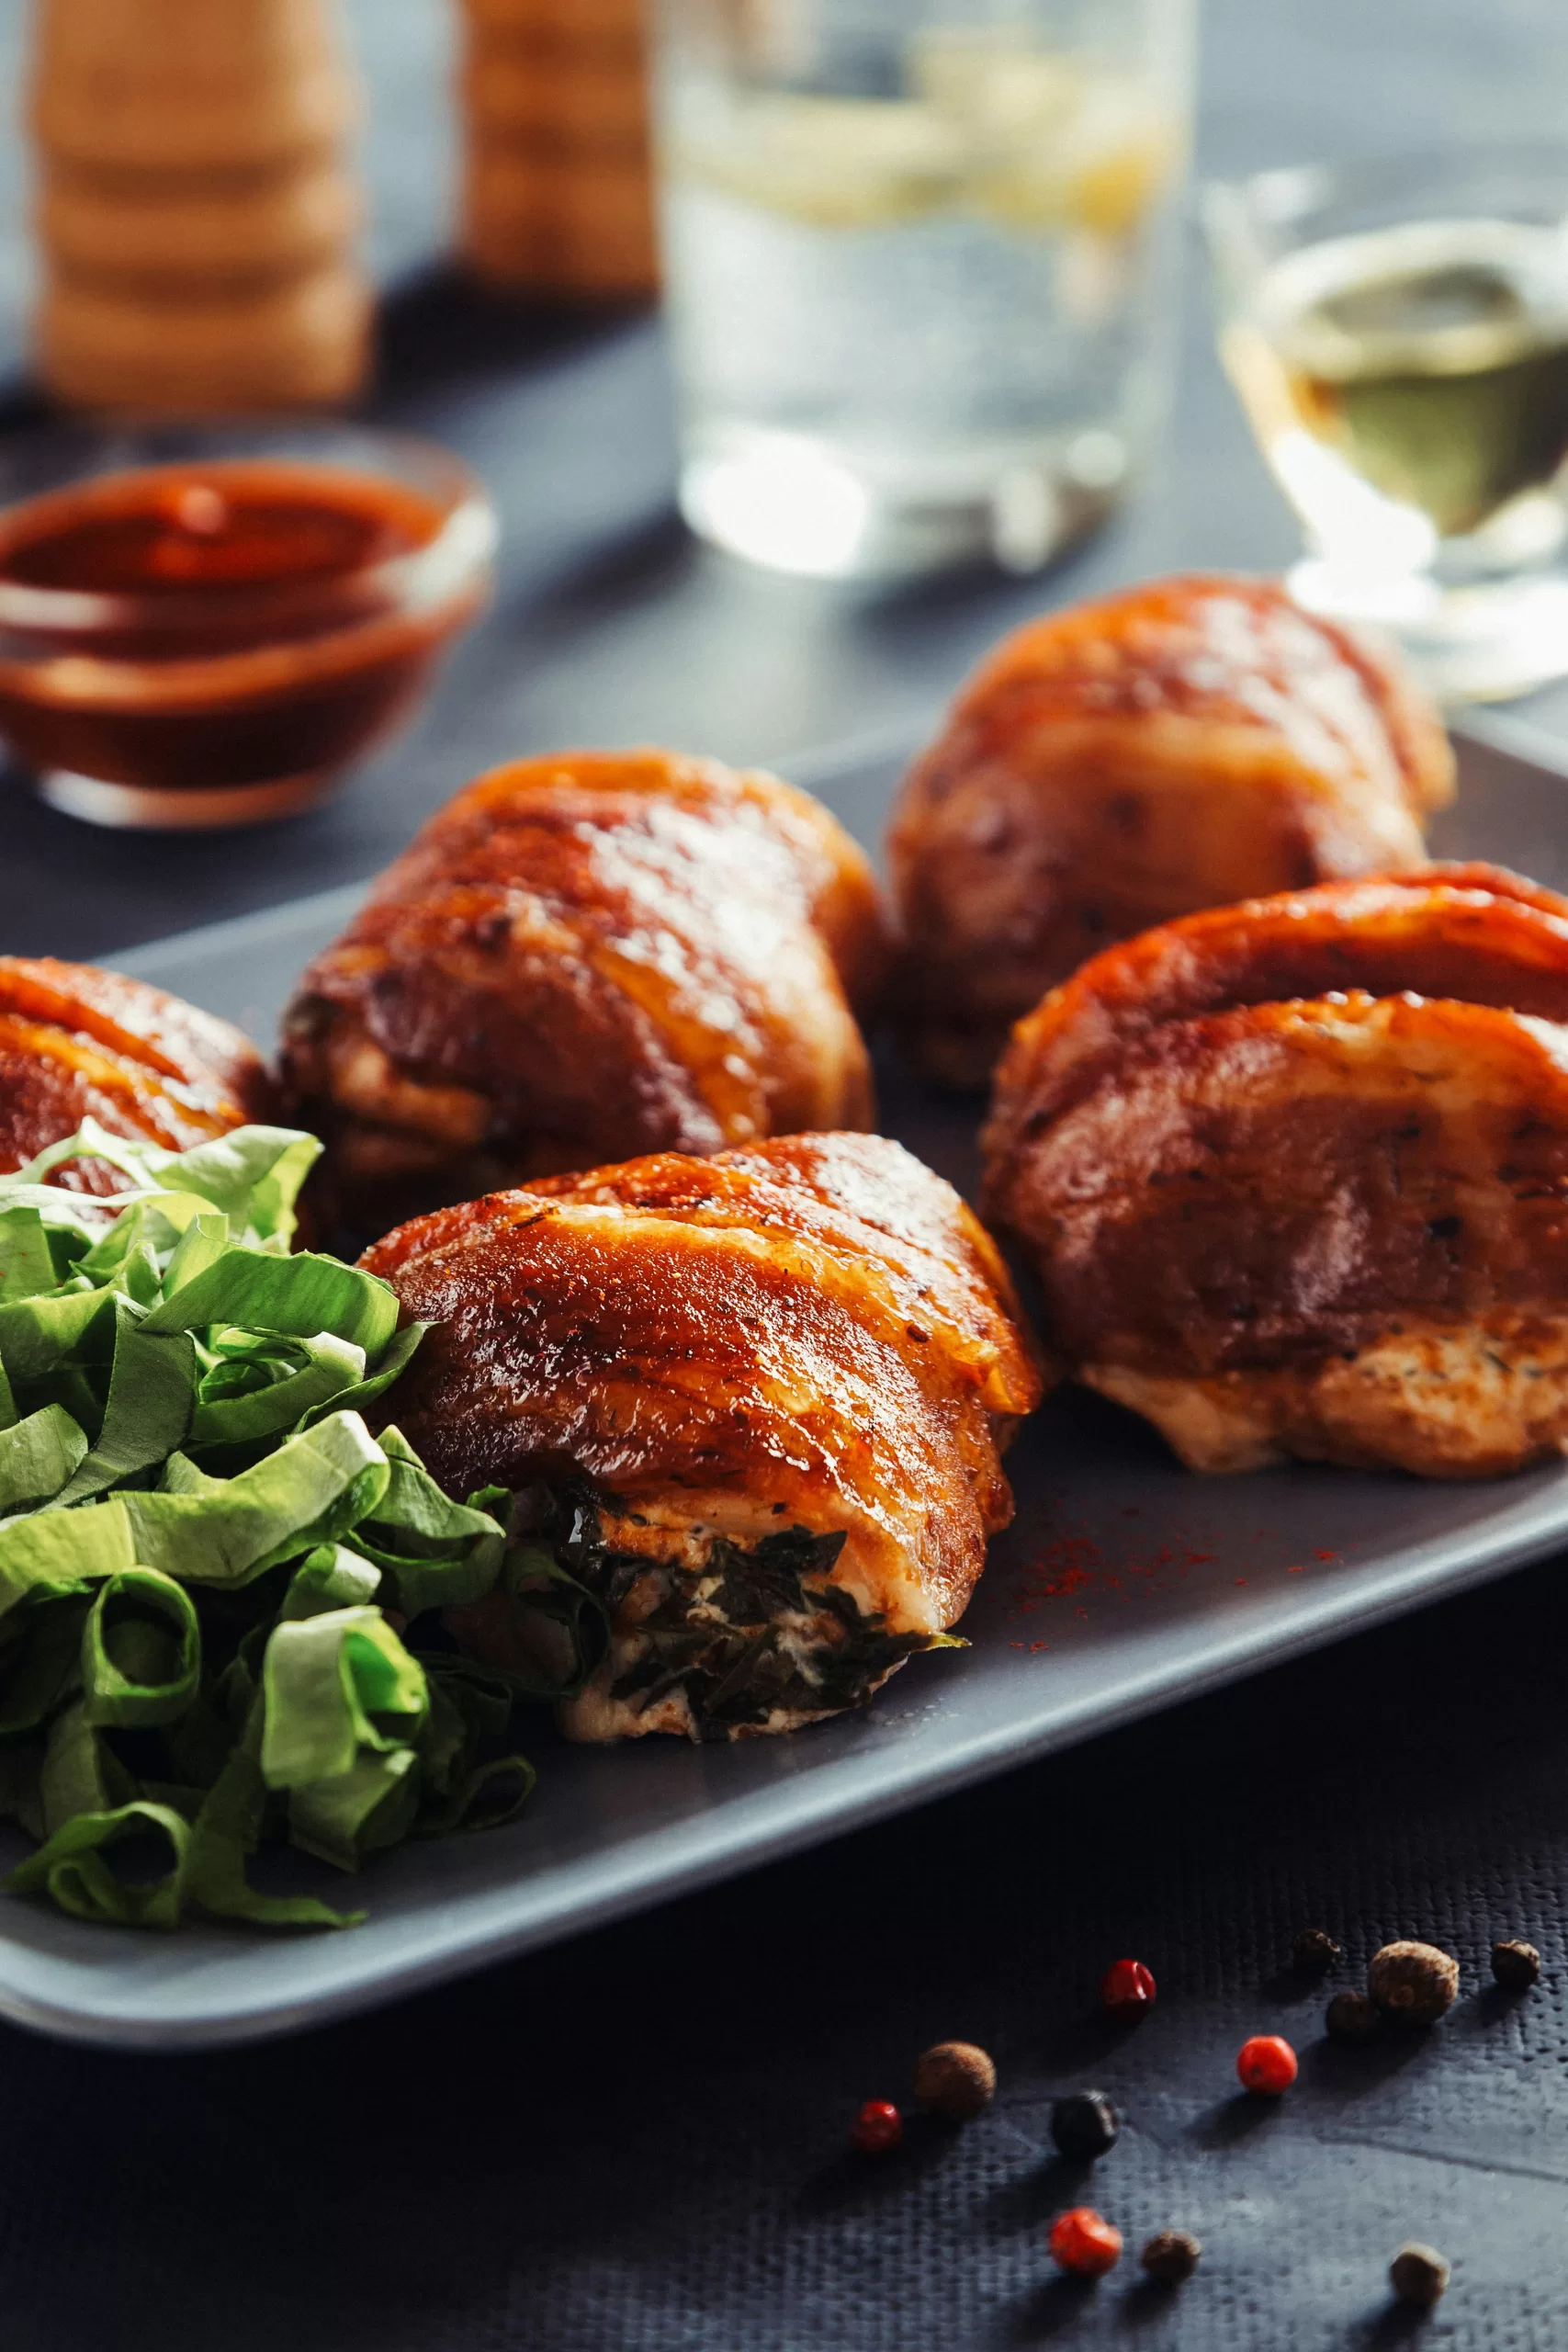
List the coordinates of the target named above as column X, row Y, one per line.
column 611, row 623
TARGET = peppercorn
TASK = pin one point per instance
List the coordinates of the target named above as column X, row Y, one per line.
column 1126, row 1989
column 956, row 2080
column 1085, row 2124
column 1414, row 1984
column 1266, row 2065
column 1516, row 1965
column 876, row 2129
column 1171, row 2257
column 1350, row 2017
column 1315, row 1953
column 1418, row 2275
column 1084, row 2244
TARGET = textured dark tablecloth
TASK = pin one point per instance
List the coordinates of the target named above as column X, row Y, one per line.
column 637, row 2143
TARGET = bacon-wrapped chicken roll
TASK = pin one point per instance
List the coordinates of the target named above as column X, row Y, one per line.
column 756, row 1402
column 582, row 957
column 1182, row 745
column 77, row 1043
column 1294, row 1175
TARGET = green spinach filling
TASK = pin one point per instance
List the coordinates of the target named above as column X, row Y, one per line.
column 755, row 1629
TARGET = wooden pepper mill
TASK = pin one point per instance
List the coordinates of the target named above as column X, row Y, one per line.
column 197, row 219
column 558, row 192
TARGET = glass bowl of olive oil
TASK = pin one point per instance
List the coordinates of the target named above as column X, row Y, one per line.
column 1397, row 332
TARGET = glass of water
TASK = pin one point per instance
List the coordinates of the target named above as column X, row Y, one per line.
column 1397, row 330
column 917, row 254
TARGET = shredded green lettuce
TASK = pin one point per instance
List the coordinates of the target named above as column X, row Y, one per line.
column 220, row 1594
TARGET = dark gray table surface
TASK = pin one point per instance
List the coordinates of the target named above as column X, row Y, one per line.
column 637, row 2141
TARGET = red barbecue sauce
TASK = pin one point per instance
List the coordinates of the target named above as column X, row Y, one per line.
column 243, row 630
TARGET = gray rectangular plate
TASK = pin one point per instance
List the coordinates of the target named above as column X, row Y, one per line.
column 1125, row 1584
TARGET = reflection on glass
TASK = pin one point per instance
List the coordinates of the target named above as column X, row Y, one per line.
column 1398, row 334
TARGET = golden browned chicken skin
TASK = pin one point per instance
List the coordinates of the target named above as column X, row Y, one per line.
column 581, row 957
column 1182, row 745
column 1294, row 1175
column 787, row 1371
column 78, row 1043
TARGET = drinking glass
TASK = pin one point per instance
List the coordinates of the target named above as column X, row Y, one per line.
column 917, row 254
column 1397, row 330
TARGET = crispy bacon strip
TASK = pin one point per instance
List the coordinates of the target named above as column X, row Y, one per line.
column 1470, row 932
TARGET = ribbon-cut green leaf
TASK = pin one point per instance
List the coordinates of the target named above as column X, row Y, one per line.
column 310, row 1491
column 20, row 1799
column 38, row 1457
column 71, row 1867
column 333, row 1685
column 371, row 1805
column 300, row 1297
column 148, row 1405
column 38, row 1334
column 316, row 1373
column 193, row 1664
column 63, row 1551
column 81, row 1773
column 134, row 1160
column 27, row 1265
column 228, row 1828
column 149, row 1229
column 40, row 1659
column 437, row 1553
column 332, row 1578
column 475, row 1778
column 392, row 1362
column 253, row 1175
column 202, row 1243
column 141, row 1650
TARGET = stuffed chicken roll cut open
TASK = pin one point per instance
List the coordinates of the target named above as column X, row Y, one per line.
column 755, row 1403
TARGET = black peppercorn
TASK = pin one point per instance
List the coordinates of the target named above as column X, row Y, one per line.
column 1085, row 2124
column 1516, row 1965
column 1414, row 1984
column 1351, row 2018
column 1418, row 2275
column 1171, row 2257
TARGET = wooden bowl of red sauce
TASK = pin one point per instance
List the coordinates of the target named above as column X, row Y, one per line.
column 206, row 627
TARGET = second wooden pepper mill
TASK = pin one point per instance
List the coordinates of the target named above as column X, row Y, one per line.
column 196, row 214
column 558, row 191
